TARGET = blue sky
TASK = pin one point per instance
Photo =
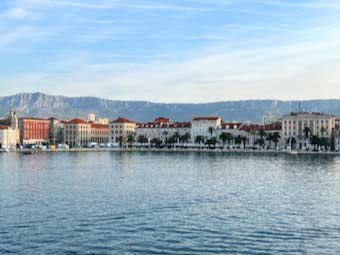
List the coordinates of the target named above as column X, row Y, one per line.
column 171, row 50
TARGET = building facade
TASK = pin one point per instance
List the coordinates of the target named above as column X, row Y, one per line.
column 34, row 131
column 163, row 128
column 99, row 133
column 77, row 133
column 200, row 127
column 56, row 131
column 8, row 137
column 120, row 129
column 301, row 126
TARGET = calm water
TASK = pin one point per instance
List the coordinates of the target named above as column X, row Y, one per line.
column 169, row 203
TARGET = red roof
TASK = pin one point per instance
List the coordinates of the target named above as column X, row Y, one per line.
column 205, row 118
column 99, row 126
column 3, row 127
column 231, row 125
column 256, row 127
column 77, row 121
column 30, row 118
column 162, row 120
column 122, row 120
column 164, row 125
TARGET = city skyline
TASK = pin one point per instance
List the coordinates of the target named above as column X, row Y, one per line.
column 171, row 51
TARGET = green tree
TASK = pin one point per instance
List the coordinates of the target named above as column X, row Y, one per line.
column 120, row 140
column 276, row 138
column 131, row 139
column 142, row 139
column 185, row 138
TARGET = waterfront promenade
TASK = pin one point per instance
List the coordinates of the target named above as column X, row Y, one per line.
column 179, row 150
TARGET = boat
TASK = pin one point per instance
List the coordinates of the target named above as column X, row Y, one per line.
column 28, row 152
column 4, row 150
column 293, row 152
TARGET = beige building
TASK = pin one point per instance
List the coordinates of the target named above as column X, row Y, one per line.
column 162, row 128
column 120, row 128
column 200, row 126
column 295, row 125
column 77, row 133
column 99, row 133
column 8, row 138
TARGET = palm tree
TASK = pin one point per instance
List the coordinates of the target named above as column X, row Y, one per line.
column 224, row 138
column 120, row 140
column 262, row 134
column 244, row 139
column 270, row 139
column 176, row 136
column 185, row 138
column 131, row 139
column 199, row 139
column 211, row 131
column 142, row 139
column 315, row 141
column 307, row 132
column 276, row 138
column 156, row 142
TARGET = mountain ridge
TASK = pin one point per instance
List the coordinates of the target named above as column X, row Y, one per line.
column 43, row 105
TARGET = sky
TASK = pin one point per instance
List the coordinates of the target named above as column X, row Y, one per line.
column 171, row 50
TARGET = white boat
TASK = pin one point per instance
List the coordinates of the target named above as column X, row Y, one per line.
column 4, row 150
column 293, row 152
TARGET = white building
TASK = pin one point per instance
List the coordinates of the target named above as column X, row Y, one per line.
column 8, row 137
column 162, row 128
column 120, row 129
column 295, row 126
column 77, row 133
column 200, row 126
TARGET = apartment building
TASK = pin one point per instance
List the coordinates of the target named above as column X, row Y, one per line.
column 120, row 128
column 200, row 126
column 162, row 128
column 77, row 133
column 34, row 131
column 8, row 137
column 296, row 125
column 99, row 133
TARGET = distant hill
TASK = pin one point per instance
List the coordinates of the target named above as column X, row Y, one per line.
column 42, row 105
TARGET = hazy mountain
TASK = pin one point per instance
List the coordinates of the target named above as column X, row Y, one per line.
column 42, row 105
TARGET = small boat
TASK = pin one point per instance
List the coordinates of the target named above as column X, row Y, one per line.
column 28, row 152
column 4, row 150
column 293, row 152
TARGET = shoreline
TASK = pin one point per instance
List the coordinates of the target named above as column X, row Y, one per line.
column 239, row 151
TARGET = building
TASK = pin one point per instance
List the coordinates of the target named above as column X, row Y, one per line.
column 299, row 127
column 119, row 129
column 77, row 133
column 34, row 131
column 99, row 133
column 91, row 117
column 103, row 121
column 200, row 126
column 8, row 137
column 269, row 119
column 56, row 131
column 162, row 128
column 12, row 122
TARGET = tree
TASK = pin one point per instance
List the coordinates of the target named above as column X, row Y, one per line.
column 211, row 131
column 223, row 137
column 307, row 132
column 211, row 141
column 262, row 133
column 176, row 136
column 270, row 139
column 131, row 139
column 199, row 139
column 142, row 139
column 323, row 131
column 276, row 138
column 156, row 142
column 185, row 138
column 315, row 141
column 120, row 140
column 244, row 139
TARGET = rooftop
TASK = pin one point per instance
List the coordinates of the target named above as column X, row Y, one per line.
column 205, row 118
column 122, row 120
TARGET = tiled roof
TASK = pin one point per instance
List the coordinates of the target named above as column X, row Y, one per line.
column 164, row 125
column 3, row 127
column 99, row 126
column 76, row 121
column 162, row 120
column 205, row 118
column 231, row 125
column 122, row 120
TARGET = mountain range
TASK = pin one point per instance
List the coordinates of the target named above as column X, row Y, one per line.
column 43, row 105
